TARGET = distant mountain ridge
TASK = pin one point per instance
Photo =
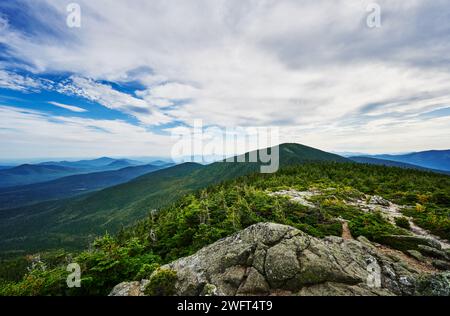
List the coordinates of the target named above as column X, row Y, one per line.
column 159, row 162
column 70, row 186
column 122, row 163
column 27, row 174
column 46, row 171
column 98, row 162
column 391, row 163
column 432, row 159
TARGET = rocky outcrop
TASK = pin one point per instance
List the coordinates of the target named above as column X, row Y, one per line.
column 273, row 259
column 129, row 289
column 434, row 285
column 378, row 200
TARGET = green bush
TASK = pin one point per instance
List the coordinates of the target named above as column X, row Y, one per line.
column 38, row 283
column 441, row 198
column 372, row 226
column 103, row 267
column 12, row 270
column 146, row 270
column 436, row 220
column 162, row 283
column 402, row 222
column 112, row 262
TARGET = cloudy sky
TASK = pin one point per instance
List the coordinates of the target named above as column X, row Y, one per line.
column 137, row 70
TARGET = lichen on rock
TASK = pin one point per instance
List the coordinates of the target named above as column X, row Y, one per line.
column 274, row 259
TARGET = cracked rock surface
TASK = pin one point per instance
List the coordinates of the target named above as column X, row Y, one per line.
column 274, row 259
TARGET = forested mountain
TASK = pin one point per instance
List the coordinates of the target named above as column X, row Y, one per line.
column 70, row 186
column 75, row 221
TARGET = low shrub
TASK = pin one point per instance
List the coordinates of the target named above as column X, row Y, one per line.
column 162, row 283
column 403, row 222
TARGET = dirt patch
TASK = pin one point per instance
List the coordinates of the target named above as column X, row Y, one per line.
column 423, row 267
column 346, row 234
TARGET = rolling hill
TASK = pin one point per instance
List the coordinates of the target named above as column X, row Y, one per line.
column 432, row 159
column 27, row 174
column 74, row 222
column 69, row 186
column 47, row 171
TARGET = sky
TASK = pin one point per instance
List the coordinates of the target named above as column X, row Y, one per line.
column 136, row 71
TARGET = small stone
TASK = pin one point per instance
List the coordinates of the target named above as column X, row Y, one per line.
column 378, row 200
column 126, row 289
column 209, row 290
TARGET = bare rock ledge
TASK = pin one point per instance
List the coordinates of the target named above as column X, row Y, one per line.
column 273, row 259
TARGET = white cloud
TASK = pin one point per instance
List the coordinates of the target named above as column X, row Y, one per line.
column 29, row 133
column 310, row 64
column 68, row 107
column 113, row 99
column 175, row 91
column 9, row 80
column 377, row 137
